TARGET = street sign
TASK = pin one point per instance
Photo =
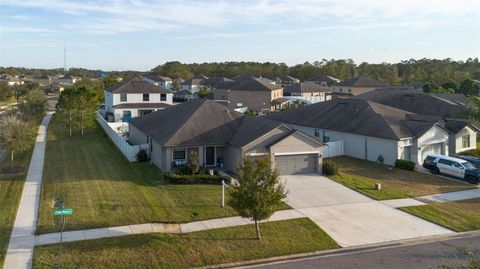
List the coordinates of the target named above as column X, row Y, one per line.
column 66, row 211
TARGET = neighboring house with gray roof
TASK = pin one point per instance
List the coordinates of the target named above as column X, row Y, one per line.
column 165, row 82
column 288, row 80
column 443, row 105
column 255, row 93
column 324, row 80
column 306, row 89
column 192, row 85
column 369, row 130
column 220, row 137
column 134, row 98
column 358, row 85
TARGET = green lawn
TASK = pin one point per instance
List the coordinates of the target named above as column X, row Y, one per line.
column 6, row 102
column 190, row 250
column 362, row 175
column 104, row 189
column 459, row 216
column 11, row 187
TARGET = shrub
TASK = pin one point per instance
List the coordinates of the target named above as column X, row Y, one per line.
column 196, row 179
column 142, row 156
column 472, row 152
column 405, row 165
column 330, row 167
column 193, row 166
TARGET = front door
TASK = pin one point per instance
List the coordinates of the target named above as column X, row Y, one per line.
column 209, row 156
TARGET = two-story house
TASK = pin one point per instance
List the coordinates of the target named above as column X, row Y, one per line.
column 192, row 85
column 254, row 93
column 165, row 82
column 134, row 98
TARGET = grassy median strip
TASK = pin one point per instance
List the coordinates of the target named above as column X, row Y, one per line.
column 190, row 250
column 104, row 189
column 362, row 175
column 11, row 187
column 459, row 216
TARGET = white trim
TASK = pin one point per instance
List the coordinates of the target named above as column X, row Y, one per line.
column 257, row 153
column 295, row 153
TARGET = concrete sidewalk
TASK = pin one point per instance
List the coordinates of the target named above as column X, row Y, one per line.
column 434, row 198
column 146, row 228
column 22, row 239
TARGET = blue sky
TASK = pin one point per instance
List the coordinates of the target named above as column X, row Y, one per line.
column 138, row 35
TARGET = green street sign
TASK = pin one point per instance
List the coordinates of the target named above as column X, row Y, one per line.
column 67, row 211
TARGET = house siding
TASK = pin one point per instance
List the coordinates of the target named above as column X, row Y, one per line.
column 455, row 141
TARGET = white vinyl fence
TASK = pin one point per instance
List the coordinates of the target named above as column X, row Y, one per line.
column 129, row 151
column 309, row 99
column 332, row 149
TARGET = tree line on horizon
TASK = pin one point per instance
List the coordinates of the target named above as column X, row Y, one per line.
column 423, row 70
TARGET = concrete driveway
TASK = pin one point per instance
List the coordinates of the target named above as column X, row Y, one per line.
column 351, row 218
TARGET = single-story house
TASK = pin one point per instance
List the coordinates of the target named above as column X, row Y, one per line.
column 221, row 137
column 358, row 85
column 369, row 130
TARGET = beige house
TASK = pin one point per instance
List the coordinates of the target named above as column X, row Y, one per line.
column 358, row 85
column 307, row 89
column 221, row 138
column 255, row 93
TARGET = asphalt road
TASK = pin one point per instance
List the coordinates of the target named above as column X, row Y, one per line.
column 394, row 256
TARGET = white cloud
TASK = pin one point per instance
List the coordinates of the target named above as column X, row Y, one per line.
column 119, row 16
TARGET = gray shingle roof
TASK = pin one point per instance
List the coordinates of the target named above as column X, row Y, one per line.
column 286, row 78
column 305, row 87
column 327, row 79
column 354, row 116
column 362, row 81
column 196, row 80
column 417, row 102
column 197, row 122
column 137, row 85
column 255, row 84
column 252, row 128
column 158, row 78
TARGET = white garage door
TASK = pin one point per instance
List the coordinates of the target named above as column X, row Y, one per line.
column 432, row 149
column 296, row 164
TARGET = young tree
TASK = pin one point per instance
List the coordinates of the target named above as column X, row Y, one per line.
column 86, row 102
column 67, row 108
column 202, row 92
column 33, row 105
column 15, row 135
column 259, row 191
column 6, row 91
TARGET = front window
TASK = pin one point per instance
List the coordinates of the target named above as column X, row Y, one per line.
column 179, row 154
column 465, row 141
column 163, row 97
column 123, row 97
column 146, row 97
column 326, row 139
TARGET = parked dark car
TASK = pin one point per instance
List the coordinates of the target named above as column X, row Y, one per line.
column 456, row 167
column 473, row 160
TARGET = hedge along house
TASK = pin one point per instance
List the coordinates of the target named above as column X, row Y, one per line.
column 221, row 137
column 369, row 130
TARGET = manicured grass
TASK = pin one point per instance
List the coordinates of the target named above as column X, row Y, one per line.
column 459, row 216
column 104, row 189
column 11, row 187
column 362, row 175
column 6, row 102
column 190, row 250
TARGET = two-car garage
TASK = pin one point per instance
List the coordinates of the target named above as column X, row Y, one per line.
column 296, row 164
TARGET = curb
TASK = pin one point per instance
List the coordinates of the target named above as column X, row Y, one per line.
column 345, row 251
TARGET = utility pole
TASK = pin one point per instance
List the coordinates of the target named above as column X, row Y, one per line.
column 64, row 59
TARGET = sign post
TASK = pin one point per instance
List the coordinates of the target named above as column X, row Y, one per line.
column 60, row 211
column 223, row 192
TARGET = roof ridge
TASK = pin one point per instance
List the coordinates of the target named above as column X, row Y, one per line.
column 185, row 121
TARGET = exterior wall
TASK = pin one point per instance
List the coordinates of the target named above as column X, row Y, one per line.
column 233, row 156
column 296, row 143
column 357, row 146
column 108, row 101
column 455, row 141
column 220, row 94
column 135, row 136
column 254, row 100
column 260, row 145
column 434, row 136
column 276, row 94
column 138, row 98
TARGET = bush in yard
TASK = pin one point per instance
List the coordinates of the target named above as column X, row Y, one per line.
column 196, row 179
column 193, row 166
column 142, row 156
column 405, row 165
column 330, row 167
column 472, row 152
